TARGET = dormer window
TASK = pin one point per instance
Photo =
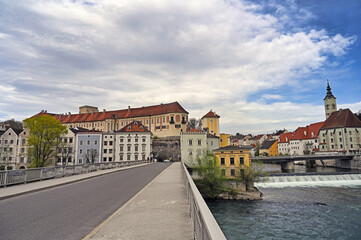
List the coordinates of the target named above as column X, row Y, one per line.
column 129, row 127
column 140, row 127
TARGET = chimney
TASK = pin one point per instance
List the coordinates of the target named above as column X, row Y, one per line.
column 128, row 108
column 103, row 110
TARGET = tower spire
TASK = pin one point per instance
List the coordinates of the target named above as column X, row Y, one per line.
column 330, row 101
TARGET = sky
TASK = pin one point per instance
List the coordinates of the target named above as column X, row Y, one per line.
column 261, row 65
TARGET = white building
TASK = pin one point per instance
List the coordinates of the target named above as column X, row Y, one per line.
column 133, row 142
column 9, row 142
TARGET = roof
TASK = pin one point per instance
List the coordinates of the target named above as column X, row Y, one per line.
column 211, row 114
column 285, row 137
column 258, row 137
column 267, row 144
column 211, row 136
column 194, row 130
column 308, row 132
column 135, row 126
column 341, row 118
column 2, row 132
column 173, row 107
column 233, row 148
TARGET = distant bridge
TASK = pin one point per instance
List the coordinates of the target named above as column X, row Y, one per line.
column 287, row 162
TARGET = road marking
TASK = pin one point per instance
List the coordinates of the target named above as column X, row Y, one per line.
column 95, row 230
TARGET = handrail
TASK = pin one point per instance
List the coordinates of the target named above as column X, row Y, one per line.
column 10, row 177
column 205, row 225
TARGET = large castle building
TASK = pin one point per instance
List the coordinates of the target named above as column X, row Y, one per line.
column 163, row 120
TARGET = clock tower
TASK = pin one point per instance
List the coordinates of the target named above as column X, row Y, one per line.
column 330, row 101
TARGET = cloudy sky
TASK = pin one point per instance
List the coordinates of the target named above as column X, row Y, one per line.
column 261, row 65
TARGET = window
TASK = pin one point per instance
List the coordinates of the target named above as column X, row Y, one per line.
column 223, row 161
column 80, row 161
column 11, row 141
column 340, row 145
column 110, row 159
column 110, row 151
column 233, row 172
column 121, row 148
column 199, row 152
column 190, row 152
column 110, row 143
column 199, row 142
column 22, row 159
column 22, row 150
column 70, row 140
column 143, row 148
column 104, row 159
column 121, row 139
column 105, row 143
column 121, row 157
column 232, row 160
column 223, row 171
column 351, row 146
column 241, row 160
column 23, row 141
column 129, row 147
column 136, row 148
column 128, row 157
column 88, row 142
column 190, row 142
column 80, row 151
column 340, row 139
column 136, row 157
column 136, row 140
column 143, row 139
column 350, row 139
column 95, row 142
column 105, row 150
column 129, row 140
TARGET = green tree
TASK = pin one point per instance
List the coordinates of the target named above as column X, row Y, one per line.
column 43, row 139
column 251, row 174
column 211, row 182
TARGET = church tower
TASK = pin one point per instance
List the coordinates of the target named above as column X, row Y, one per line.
column 330, row 102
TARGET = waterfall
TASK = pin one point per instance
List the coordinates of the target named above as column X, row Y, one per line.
column 310, row 180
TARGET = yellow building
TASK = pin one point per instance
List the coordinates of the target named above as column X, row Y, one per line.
column 224, row 140
column 269, row 148
column 210, row 121
column 232, row 159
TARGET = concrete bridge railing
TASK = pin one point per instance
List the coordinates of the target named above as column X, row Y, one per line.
column 205, row 225
column 11, row 177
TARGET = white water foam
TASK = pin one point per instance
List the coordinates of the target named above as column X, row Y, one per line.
column 344, row 180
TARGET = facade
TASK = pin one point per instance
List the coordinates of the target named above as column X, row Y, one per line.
column 88, row 146
column 133, row 142
column 341, row 132
column 232, row 159
column 210, row 121
column 66, row 149
column 164, row 120
column 108, row 147
column 195, row 143
column 9, row 145
column 329, row 101
column 269, row 147
column 224, row 140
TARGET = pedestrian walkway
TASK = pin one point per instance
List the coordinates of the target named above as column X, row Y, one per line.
column 13, row 191
column 159, row 211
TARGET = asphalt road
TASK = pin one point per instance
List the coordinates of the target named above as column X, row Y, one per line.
column 72, row 211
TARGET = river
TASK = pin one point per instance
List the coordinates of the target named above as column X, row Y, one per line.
column 311, row 212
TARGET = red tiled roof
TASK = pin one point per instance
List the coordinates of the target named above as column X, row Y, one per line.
column 341, row 118
column 134, row 127
column 258, row 137
column 285, row 137
column 193, row 130
column 211, row 114
column 173, row 107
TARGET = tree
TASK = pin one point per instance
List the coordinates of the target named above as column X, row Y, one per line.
column 14, row 124
column 43, row 139
column 358, row 114
column 4, row 155
column 195, row 123
column 64, row 151
column 251, row 174
column 91, row 155
column 210, row 183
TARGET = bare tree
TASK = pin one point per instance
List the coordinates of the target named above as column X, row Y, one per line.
column 64, row 152
column 195, row 123
column 91, row 155
column 4, row 155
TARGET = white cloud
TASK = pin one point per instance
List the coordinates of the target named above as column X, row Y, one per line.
column 204, row 54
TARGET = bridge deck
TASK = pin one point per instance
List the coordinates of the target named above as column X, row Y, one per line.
column 159, row 211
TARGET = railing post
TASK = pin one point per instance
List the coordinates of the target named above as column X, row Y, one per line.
column 5, row 178
column 41, row 174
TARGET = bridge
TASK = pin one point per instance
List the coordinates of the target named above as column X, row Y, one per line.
column 287, row 162
column 144, row 201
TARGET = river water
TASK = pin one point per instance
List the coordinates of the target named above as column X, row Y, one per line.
column 311, row 212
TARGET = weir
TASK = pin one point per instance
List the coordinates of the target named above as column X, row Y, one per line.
column 344, row 179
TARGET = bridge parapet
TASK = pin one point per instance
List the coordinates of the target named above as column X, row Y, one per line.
column 292, row 158
column 205, row 225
